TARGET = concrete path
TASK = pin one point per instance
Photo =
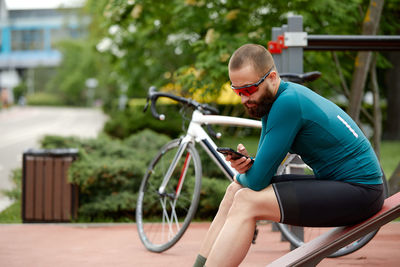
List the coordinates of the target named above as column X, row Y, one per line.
column 68, row 245
column 21, row 128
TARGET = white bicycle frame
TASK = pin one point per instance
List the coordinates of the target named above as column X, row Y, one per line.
column 196, row 133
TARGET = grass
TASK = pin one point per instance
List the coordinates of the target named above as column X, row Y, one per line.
column 390, row 156
column 12, row 214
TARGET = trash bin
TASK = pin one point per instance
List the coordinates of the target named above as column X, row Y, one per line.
column 47, row 196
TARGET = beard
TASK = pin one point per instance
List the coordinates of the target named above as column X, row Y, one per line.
column 262, row 106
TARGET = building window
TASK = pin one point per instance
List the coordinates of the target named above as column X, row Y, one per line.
column 27, row 40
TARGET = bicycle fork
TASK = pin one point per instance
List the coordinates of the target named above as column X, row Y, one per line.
column 170, row 219
column 174, row 163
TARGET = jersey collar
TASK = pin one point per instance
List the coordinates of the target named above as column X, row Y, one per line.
column 282, row 87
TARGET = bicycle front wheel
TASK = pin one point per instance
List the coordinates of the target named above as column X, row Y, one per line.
column 162, row 216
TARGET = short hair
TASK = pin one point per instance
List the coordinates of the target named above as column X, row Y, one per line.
column 255, row 55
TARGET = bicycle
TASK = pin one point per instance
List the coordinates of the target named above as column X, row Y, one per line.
column 159, row 192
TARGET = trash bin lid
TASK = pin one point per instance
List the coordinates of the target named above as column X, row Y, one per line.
column 56, row 152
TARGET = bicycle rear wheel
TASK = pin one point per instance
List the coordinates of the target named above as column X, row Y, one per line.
column 163, row 217
column 310, row 233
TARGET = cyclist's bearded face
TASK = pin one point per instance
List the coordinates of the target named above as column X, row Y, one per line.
column 257, row 102
column 262, row 105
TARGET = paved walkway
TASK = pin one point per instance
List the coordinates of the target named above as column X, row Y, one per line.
column 45, row 245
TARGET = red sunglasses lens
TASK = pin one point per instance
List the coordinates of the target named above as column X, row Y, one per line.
column 246, row 91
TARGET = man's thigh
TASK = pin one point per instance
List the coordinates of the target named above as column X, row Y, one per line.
column 260, row 205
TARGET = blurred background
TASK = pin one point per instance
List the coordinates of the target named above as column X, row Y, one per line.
column 99, row 57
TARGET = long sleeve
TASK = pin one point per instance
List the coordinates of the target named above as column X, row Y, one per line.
column 284, row 121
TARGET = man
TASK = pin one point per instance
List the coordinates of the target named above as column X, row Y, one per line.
column 346, row 187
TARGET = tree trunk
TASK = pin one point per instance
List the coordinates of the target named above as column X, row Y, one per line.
column 394, row 181
column 377, row 109
column 392, row 82
column 363, row 59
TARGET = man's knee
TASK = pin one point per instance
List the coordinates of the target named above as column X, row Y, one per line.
column 231, row 191
column 243, row 202
column 230, row 194
column 255, row 204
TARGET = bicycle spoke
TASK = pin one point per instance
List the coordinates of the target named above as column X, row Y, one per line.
column 165, row 216
column 173, row 214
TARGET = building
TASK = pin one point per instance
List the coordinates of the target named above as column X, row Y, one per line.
column 28, row 38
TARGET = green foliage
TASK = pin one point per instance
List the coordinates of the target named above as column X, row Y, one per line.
column 80, row 62
column 132, row 120
column 212, row 192
column 15, row 193
column 44, row 99
column 20, row 90
column 55, row 141
column 193, row 49
column 390, row 157
column 12, row 214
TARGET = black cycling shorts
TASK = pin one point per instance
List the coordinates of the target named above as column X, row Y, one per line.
column 307, row 201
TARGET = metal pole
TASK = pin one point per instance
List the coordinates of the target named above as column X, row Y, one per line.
column 294, row 64
column 295, row 54
column 276, row 31
column 353, row 42
column 285, row 54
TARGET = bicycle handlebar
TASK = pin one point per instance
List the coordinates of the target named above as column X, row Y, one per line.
column 153, row 95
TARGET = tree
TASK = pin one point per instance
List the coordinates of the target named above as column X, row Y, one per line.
column 363, row 59
column 392, row 81
column 187, row 44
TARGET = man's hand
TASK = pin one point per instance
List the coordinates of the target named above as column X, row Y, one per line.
column 243, row 164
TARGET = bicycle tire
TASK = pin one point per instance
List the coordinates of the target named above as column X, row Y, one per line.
column 162, row 219
column 356, row 245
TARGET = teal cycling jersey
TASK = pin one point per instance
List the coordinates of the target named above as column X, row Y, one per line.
column 327, row 139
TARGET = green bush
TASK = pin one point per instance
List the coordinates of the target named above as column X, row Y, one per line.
column 132, row 120
column 15, row 193
column 20, row 90
column 54, row 141
column 212, row 192
column 44, row 99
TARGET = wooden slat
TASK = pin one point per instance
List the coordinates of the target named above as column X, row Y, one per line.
column 29, row 188
column 39, row 189
column 58, row 198
column 49, row 189
column 66, row 211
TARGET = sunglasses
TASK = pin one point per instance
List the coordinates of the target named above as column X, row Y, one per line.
column 249, row 89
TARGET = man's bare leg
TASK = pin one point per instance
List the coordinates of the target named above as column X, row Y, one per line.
column 236, row 235
column 219, row 219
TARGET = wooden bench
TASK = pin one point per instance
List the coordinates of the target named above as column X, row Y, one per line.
column 311, row 253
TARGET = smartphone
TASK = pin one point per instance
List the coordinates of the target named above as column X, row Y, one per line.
column 229, row 151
